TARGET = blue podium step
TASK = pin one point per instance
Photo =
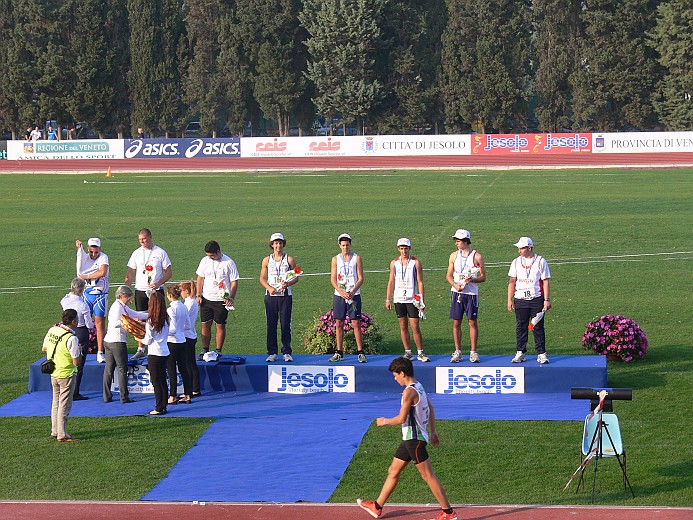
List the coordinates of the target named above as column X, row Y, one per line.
column 313, row 373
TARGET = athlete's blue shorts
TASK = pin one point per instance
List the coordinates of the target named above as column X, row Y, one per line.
column 340, row 309
column 97, row 301
column 462, row 304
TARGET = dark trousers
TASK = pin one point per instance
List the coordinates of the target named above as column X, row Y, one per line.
column 192, row 364
column 525, row 310
column 116, row 356
column 278, row 309
column 82, row 334
column 157, row 375
column 178, row 358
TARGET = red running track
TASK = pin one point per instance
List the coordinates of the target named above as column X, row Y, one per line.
column 216, row 511
column 332, row 163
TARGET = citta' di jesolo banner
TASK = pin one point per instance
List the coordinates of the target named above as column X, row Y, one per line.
column 62, row 150
column 355, row 146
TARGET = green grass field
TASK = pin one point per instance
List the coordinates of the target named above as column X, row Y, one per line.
column 618, row 241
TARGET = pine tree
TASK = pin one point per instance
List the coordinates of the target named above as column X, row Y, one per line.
column 409, row 66
column 344, row 39
column 485, row 57
column 672, row 37
column 557, row 23
column 614, row 84
column 273, row 37
column 154, row 82
column 92, row 94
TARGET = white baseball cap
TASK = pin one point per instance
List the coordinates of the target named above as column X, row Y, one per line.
column 344, row 236
column 524, row 242
column 404, row 242
column 94, row 242
column 460, row 234
column 210, row 356
column 277, row 236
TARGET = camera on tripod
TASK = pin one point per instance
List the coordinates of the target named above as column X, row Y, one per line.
column 612, row 394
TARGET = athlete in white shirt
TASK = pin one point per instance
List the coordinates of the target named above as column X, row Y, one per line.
column 528, row 295
column 406, row 282
column 93, row 268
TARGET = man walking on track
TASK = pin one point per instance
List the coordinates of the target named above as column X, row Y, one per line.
column 416, row 417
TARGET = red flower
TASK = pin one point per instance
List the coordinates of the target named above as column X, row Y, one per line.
column 298, row 270
column 221, row 285
column 148, row 268
column 417, row 297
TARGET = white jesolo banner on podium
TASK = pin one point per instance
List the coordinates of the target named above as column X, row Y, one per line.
column 480, row 380
column 139, row 382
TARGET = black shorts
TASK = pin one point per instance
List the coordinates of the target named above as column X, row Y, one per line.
column 142, row 300
column 216, row 311
column 340, row 309
column 412, row 451
column 406, row 310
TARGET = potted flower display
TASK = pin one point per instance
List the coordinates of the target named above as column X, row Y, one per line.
column 320, row 336
column 615, row 336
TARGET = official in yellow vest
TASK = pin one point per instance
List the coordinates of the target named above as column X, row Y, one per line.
column 62, row 346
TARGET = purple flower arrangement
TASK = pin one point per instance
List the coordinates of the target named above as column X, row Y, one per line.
column 320, row 337
column 615, row 335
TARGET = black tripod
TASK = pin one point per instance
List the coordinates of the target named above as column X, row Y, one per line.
column 596, row 451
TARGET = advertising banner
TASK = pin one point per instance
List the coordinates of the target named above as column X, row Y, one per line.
column 3, row 150
column 63, row 150
column 643, row 142
column 182, row 148
column 140, row 383
column 480, row 380
column 355, row 146
column 540, row 144
column 310, row 379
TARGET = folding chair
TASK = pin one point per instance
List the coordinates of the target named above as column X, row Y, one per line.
column 602, row 438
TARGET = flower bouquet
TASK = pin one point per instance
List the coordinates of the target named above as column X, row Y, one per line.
column 615, row 335
column 290, row 275
column 320, row 336
column 342, row 282
column 420, row 305
column 149, row 271
column 535, row 320
column 461, row 276
column 225, row 295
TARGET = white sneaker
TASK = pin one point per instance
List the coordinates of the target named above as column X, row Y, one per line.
column 408, row 355
column 474, row 357
column 100, row 357
column 336, row 357
column 288, row 358
column 543, row 359
column 362, row 358
column 423, row 357
column 456, row 357
column 272, row 358
column 140, row 354
column 519, row 357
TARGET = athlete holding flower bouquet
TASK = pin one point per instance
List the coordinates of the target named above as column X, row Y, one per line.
column 347, row 278
column 277, row 274
column 217, row 283
column 465, row 271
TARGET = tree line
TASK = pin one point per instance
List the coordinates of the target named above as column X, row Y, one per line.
column 390, row 66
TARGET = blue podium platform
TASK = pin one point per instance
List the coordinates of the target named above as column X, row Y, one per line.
column 310, row 373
